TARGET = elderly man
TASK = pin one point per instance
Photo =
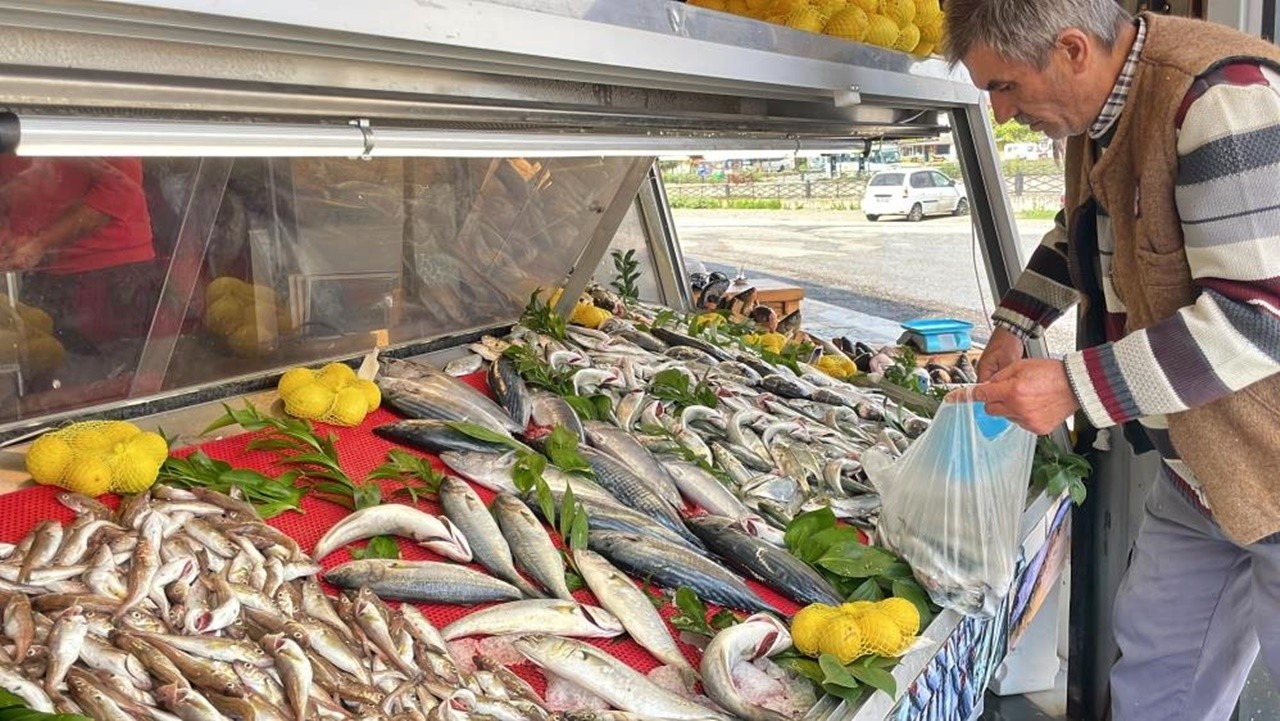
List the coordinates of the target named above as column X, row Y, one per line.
column 1171, row 237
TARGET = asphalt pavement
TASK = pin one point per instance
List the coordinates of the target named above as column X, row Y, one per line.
column 892, row 268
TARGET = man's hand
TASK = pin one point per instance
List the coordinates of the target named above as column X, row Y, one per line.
column 1003, row 350
column 21, row 254
column 1035, row 394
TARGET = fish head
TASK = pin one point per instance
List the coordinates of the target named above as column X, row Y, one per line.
column 602, row 619
column 171, row 695
column 273, row 642
column 774, row 636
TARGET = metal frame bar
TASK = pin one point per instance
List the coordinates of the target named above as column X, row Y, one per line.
column 664, row 246
column 610, row 219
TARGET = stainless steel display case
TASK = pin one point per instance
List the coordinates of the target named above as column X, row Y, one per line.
column 457, row 153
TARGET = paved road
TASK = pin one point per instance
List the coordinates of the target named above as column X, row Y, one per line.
column 891, row 268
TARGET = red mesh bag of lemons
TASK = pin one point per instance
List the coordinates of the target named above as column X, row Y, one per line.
column 853, row 630
column 333, row 394
column 96, row 457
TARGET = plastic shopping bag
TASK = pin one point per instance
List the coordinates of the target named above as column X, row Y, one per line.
column 953, row 503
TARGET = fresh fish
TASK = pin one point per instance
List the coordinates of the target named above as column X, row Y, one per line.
column 672, row 566
column 705, row 490
column 295, row 672
column 213, row 648
column 98, row 654
column 758, row 636
column 491, row 470
column 609, row 515
column 554, row 616
column 730, row 459
column 530, row 545
column 432, row 533
column 261, row 683
column 551, row 411
column 620, row 596
column 786, row 387
column 422, row 630
column 622, row 447
column 422, row 581
column 374, row 625
column 19, row 624
column 510, row 390
column 772, row 566
column 435, row 394
column 323, row 640
column 188, row 704
column 83, row 505
column 44, row 546
column 686, row 354
column 318, row 606
column 673, row 338
column 628, row 410
column 466, row 365
column 436, row 436
column 633, row 492
column 65, row 639
column 607, row 677
column 155, row 661
column 488, row 546
column 14, row 682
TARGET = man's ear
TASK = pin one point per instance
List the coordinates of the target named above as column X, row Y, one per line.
column 1077, row 47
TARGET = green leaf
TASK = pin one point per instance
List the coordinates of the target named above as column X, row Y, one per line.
column 367, row 495
column 693, row 613
column 585, row 409
column 868, row 591
column 580, row 532
column 723, row 619
column 572, row 580
column 855, row 560
column 527, row 471
column 1077, row 490
column 805, row 525
column 835, row 672
column 565, row 521
column 824, row 541
column 488, row 435
column 898, row 570
column 911, row 591
column 806, row 667
column 378, row 547
column 546, row 501
column 603, row 406
column 562, row 449
column 850, row 695
column 875, row 678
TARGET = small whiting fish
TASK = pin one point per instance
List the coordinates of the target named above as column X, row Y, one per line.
column 374, row 625
column 632, row 607
column 295, row 672
column 422, row 581
column 467, row 511
column 554, row 616
column 65, row 640
column 44, row 546
column 758, row 636
column 85, row 692
column 15, row 683
column 187, row 703
column 19, row 623
column 142, row 573
column 607, row 677
column 422, row 630
column 214, row 648
column 530, row 545
column 316, row 604
column 434, row 534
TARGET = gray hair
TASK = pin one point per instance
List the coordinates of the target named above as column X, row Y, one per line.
column 1026, row 30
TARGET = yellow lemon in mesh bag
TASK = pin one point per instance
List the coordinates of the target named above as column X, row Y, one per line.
column 295, row 378
column 219, row 287
column 87, row 438
column 927, row 11
column 737, row 7
column 880, row 635
column 924, row 48
column 133, row 470
column 349, row 408
column 785, row 7
column 908, row 38
column 119, row 431
column 866, row 6
column 903, row 612
column 842, row 637
column 901, row 12
column 248, row 342
column 931, row 32
column 805, row 18
column 88, row 474
column 856, row 608
column 35, row 318
column 809, row 624
column 881, row 31
column 336, row 376
column 372, row 396
column 849, row 24
column 49, row 458
column 827, row 8
column 223, row 315
column 310, row 401
column 153, row 445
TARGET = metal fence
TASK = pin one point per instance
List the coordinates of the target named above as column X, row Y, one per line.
column 847, row 190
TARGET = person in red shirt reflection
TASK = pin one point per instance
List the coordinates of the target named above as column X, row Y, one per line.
column 81, row 229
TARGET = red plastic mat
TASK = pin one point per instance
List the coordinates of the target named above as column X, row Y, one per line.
column 359, row 451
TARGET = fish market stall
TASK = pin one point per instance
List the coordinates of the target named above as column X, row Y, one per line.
column 404, row 283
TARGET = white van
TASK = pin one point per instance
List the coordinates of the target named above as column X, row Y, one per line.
column 913, row 193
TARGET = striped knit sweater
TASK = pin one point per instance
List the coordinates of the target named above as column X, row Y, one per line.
column 1228, row 199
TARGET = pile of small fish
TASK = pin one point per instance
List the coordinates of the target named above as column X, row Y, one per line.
column 184, row 605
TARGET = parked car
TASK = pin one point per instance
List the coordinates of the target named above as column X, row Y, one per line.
column 913, row 193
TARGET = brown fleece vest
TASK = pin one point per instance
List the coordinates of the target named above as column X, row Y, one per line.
column 1233, row 444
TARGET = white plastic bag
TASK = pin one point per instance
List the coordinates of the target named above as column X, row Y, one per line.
column 953, row 503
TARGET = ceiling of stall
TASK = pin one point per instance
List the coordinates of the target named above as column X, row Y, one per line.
column 521, row 65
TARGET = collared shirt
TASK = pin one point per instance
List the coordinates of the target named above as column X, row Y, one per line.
column 1120, row 91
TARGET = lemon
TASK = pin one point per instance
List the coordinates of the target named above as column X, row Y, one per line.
column 880, row 635
column 708, row 4
column 881, row 31
column 309, row 401
column 133, row 470
column 856, row 608
column 808, row 626
column 49, row 458
column 372, row 396
column 264, row 296
column 219, row 287
column 88, row 474
column 10, row 347
column 223, row 315
column 866, row 6
column 908, row 38
column 244, row 342
column 119, row 431
column 152, row 445
column 336, row 376
column 87, row 438
column 900, row 12
column 295, row 378
column 737, row 7
column 827, row 8
column 903, row 613
column 924, row 48
column 842, row 637
column 785, row 7
column 931, row 32
column 849, row 23
column 757, row 6
column 35, row 318
column 806, row 19
column 927, row 11
column 44, row 353
column 349, row 407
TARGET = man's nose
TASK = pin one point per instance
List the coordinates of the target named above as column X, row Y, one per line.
column 1004, row 109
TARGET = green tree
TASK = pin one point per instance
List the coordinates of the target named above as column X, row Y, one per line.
column 1014, row 132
